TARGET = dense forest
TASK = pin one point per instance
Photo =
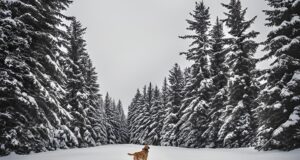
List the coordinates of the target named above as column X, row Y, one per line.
column 222, row 99
column 49, row 94
column 50, row 97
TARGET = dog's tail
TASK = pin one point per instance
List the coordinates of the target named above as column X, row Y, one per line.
column 130, row 154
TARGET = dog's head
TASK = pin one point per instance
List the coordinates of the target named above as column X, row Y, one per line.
column 146, row 147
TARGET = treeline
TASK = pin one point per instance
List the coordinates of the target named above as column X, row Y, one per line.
column 222, row 100
column 49, row 95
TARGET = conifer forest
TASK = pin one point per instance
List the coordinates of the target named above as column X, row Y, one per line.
column 50, row 96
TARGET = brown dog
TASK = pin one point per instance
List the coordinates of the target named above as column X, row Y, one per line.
column 142, row 155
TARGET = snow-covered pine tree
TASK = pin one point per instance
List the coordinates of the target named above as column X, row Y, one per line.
column 238, row 128
column 123, row 124
column 82, row 87
column 279, row 108
column 164, row 101
column 137, row 127
column 31, row 78
column 174, row 92
column 164, row 93
column 192, row 113
column 219, row 80
column 156, row 115
column 95, row 112
column 145, row 121
column 133, row 110
column 111, row 123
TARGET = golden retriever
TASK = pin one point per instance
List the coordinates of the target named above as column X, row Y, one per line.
column 142, row 155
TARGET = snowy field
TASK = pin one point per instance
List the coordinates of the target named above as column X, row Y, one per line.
column 119, row 152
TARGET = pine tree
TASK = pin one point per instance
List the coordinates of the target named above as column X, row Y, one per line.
column 134, row 111
column 31, row 76
column 82, row 97
column 123, row 125
column 279, row 110
column 239, row 125
column 219, row 80
column 192, row 113
column 176, row 82
column 138, row 127
column 156, row 115
column 111, row 123
column 95, row 113
column 144, row 125
column 164, row 102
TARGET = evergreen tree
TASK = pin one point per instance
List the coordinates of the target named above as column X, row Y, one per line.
column 111, row 123
column 219, row 80
column 95, row 113
column 138, row 127
column 279, row 110
column 192, row 113
column 31, row 78
column 238, row 127
column 82, row 96
column 76, row 86
column 156, row 115
column 164, row 102
column 123, row 124
column 134, row 111
column 176, row 82
column 144, row 125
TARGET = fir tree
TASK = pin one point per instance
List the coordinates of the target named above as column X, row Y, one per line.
column 95, row 113
column 31, row 78
column 192, row 113
column 219, row 80
column 138, row 127
column 176, row 82
column 123, row 124
column 111, row 122
column 156, row 115
column 134, row 111
column 279, row 110
column 239, row 125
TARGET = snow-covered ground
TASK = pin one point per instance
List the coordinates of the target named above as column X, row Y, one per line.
column 119, row 152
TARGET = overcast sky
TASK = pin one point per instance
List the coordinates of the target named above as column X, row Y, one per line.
column 134, row 42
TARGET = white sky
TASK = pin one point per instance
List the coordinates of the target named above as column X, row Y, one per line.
column 134, row 42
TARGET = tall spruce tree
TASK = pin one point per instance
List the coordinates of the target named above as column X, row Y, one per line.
column 239, row 125
column 164, row 102
column 31, row 76
column 219, row 80
column 82, row 90
column 279, row 109
column 123, row 124
column 156, row 115
column 133, row 110
column 95, row 112
column 111, row 123
column 192, row 113
column 175, row 96
column 138, row 128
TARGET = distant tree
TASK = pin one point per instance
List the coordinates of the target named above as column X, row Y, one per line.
column 96, row 112
column 134, row 115
column 111, row 123
column 123, row 124
column 175, row 96
column 156, row 115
